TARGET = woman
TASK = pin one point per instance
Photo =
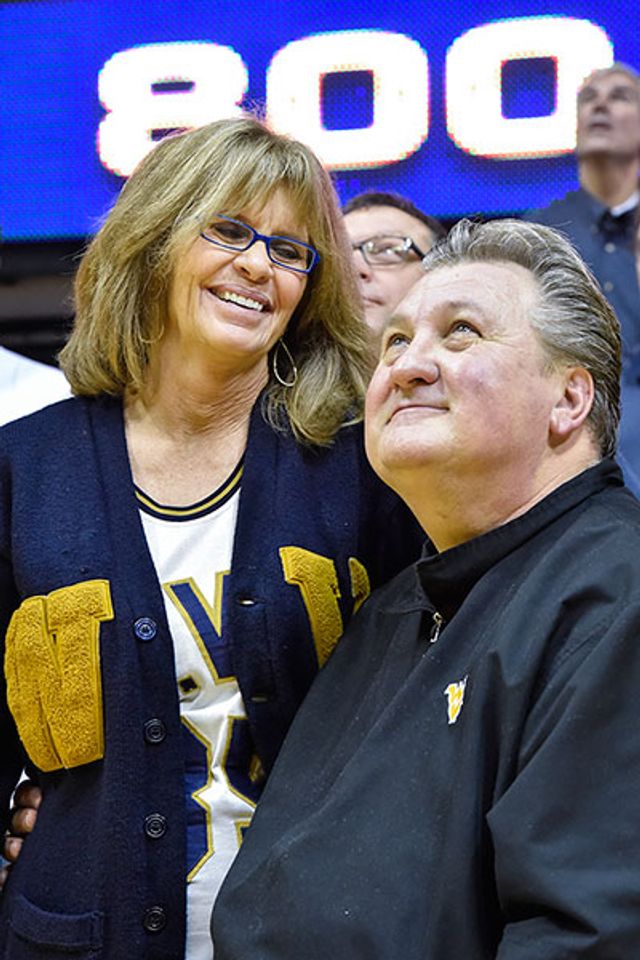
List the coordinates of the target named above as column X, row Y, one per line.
column 183, row 542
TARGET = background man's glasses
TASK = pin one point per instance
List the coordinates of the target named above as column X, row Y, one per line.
column 388, row 250
column 283, row 251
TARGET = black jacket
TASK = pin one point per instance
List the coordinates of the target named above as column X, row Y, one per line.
column 473, row 792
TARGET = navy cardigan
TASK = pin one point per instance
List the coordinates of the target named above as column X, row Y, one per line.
column 315, row 530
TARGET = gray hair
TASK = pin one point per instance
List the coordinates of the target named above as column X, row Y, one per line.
column 574, row 322
column 617, row 67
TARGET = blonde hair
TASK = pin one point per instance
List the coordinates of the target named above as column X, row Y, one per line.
column 123, row 281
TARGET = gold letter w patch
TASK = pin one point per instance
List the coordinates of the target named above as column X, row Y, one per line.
column 52, row 665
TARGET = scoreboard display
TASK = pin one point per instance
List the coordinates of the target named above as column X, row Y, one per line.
column 463, row 108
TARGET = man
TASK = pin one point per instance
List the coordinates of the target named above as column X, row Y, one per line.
column 462, row 779
column 26, row 385
column 389, row 236
column 599, row 219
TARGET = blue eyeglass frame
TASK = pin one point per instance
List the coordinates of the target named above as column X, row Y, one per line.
column 315, row 256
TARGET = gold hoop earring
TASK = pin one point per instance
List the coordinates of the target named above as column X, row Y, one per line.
column 293, row 377
column 152, row 340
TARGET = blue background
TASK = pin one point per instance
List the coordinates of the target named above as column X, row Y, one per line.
column 52, row 184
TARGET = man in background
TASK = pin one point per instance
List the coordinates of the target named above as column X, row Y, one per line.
column 599, row 220
column 389, row 236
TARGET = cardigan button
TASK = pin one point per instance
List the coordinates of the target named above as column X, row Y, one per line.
column 154, row 731
column 154, row 919
column 246, row 601
column 145, row 628
column 155, row 826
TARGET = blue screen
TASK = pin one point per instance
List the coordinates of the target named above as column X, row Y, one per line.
column 465, row 109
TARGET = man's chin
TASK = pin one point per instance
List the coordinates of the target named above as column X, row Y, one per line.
column 392, row 461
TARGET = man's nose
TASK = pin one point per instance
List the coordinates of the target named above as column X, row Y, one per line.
column 599, row 102
column 363, row 269
column 416, row 364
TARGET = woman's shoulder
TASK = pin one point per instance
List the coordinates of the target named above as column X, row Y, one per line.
column 55, row 428
column 44, row 419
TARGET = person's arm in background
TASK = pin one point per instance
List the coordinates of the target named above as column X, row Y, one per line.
column 24, row 813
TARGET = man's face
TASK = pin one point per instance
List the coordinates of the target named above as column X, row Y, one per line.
column 461, row 383
column 609, row 117
column 383, row 286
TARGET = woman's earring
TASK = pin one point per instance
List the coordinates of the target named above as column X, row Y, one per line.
column 152, row 340
column 293, row 376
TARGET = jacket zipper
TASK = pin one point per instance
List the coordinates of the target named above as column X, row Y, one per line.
column 436, row 627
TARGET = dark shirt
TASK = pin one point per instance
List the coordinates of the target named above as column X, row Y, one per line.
column 606, row 243
column 471, row 794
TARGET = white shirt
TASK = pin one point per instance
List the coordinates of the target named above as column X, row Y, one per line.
column 191, row 548
column 26, row 385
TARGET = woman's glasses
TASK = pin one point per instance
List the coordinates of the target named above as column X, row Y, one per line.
column 283, row 251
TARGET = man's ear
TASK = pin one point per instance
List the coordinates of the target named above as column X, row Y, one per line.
column 574, row 405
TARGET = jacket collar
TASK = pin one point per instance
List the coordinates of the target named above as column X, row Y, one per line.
column 612, row 221
column 444, row 579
